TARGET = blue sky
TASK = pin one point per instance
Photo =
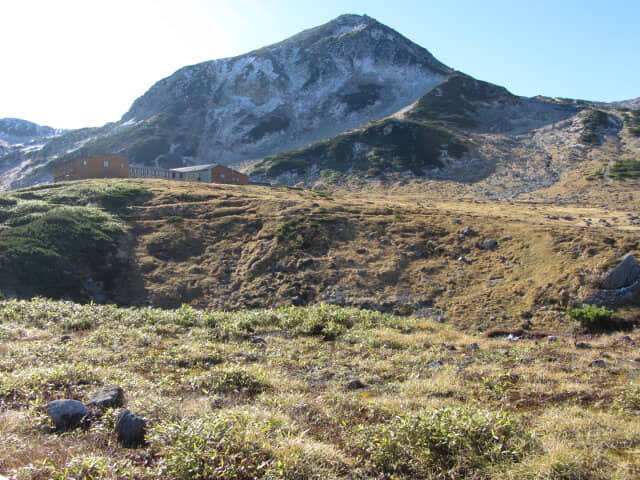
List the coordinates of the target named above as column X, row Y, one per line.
column 75, row 63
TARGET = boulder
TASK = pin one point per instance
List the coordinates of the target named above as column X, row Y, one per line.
column 109, row 397
column 66, row 414
column 622, row 275
column 131, row 429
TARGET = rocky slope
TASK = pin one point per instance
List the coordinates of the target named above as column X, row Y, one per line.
column 479, row 136
column 446, row 125
column 314, row 85
column 15, row 130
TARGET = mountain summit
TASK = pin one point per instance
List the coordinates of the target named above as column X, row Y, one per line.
column 315, row 84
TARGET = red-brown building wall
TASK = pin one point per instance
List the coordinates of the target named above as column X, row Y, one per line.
column 220, row 174
column 103, row 166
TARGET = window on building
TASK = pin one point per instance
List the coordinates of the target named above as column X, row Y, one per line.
column 106, row 163
column 122, row 165
column 84, row 162
column 222, row 175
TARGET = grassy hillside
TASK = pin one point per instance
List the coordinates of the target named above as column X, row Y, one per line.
column 53, row 240
column 220, row 404
column 386, row 146
column 150, row 242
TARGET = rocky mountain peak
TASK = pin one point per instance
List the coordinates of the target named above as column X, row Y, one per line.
column 313, row 85
column 15, row 130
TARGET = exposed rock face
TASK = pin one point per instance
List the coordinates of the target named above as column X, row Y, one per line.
column 66, row 414
column 14, row 130
column 623, row 275
column 318, row 83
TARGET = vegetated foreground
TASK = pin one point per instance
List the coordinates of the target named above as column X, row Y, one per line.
column 474, row 263
column 313, row 392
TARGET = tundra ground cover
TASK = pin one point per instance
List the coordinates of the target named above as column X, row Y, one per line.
column 269, row 394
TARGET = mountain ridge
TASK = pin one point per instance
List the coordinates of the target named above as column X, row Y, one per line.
column 315, row 86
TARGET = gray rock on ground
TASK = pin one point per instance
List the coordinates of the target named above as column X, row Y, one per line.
column 66, row 414
column 487, row 245
column 131, row 429
column 622, row 275
column 355, row 385
column 108, row 397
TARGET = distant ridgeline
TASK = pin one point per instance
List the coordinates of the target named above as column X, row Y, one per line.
column 117, row 166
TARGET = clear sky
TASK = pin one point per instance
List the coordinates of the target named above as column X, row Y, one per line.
column 76, row 63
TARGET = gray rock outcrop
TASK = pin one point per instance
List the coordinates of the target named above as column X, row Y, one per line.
column 623, row 275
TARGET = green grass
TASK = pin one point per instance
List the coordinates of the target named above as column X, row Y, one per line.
column 49, row 246
column 219, row 405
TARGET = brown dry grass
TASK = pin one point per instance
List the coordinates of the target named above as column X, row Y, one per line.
column 234, row 247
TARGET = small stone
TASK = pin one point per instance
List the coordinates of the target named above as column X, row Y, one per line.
column 551, row 338
column 131, row 429
column 355, row 385
column 258, row 340
column 472, row 347
column 598, row 363
column 66, row 414
column 487, row 245
column 65, row 338
column 436, row 364
column 583, row 345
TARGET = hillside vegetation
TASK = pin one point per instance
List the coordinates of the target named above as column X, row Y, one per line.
column 52, row 240
column 389, row 145
column 314, row 393
column 148, row 242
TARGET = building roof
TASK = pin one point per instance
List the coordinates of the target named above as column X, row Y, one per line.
column 195, row 168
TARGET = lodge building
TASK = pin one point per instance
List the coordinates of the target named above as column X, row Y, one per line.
column 117, row 166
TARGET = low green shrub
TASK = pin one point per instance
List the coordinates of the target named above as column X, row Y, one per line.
column 629, row 398
column 593, row 120
column 449, row 440
column 625, row 168
column 222, row 381
column 591, row 317
column 212, row 447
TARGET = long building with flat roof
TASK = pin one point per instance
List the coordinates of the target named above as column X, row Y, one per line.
column 117, row 166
